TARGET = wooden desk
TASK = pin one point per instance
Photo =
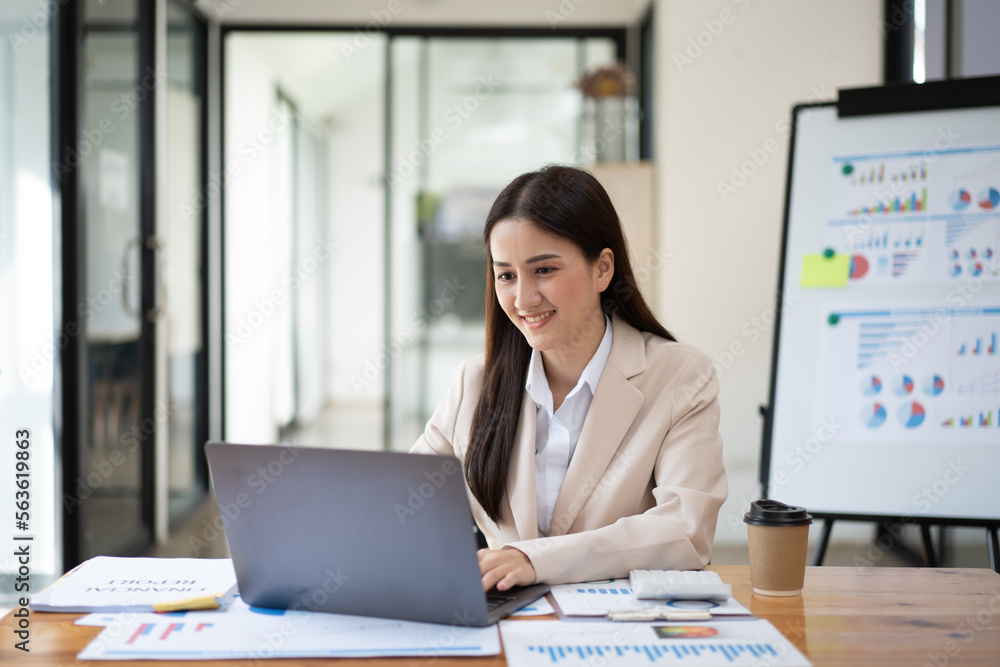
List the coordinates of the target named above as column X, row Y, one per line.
column 846, row 616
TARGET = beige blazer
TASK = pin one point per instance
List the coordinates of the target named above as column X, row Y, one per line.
column 645, row 484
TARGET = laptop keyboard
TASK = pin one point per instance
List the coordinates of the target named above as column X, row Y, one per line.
column 494, row 601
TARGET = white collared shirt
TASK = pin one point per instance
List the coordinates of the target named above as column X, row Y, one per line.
column 556, row 433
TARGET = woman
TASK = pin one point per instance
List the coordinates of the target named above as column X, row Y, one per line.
column 588, row 435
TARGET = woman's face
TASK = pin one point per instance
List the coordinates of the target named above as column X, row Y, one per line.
column 548, row 289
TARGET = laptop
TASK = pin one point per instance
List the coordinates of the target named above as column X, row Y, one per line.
column 384, row 534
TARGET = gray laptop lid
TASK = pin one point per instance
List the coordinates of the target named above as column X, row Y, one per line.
column 384, row 534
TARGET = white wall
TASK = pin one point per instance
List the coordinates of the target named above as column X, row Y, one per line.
column 357, row 216
column 728, row 73
column 249, row 324
column 338, row 83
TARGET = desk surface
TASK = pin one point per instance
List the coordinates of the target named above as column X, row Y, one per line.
column 845, row 616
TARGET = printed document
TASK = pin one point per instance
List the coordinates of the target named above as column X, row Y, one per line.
column 723, row 642
column 597, row 598
column 106, row 584
column 252, row 633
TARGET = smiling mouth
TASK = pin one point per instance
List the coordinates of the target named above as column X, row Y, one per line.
column 534, row 319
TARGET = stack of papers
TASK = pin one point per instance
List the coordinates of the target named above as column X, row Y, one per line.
column 729, row 635
column 188, row 609
column 108, row 584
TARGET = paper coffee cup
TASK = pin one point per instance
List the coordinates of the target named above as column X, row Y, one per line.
column 778, row 535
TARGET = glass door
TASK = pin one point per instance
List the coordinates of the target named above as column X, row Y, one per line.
column 135, row 464
column 181, row 393
column 112, row 498
column 466, row 117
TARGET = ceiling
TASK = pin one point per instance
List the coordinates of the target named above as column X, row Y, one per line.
column 440, row 13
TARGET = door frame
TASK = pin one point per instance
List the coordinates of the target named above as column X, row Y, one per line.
column 72, row 397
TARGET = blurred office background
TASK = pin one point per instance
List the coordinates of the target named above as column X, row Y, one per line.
column 262, row 221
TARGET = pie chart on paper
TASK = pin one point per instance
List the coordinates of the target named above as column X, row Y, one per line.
column 912, row 415
column 874, row 415
column 934, row 385
column 988, row 199
column 903, row 386
column 872, row 386
column 859, row 266
column 684, row 631
column 959, row 199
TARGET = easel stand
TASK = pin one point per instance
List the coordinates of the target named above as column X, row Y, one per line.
column 891, row 527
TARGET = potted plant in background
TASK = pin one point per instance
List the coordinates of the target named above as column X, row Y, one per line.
column 608, row 89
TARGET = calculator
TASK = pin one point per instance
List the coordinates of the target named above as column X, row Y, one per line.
column 678, row 585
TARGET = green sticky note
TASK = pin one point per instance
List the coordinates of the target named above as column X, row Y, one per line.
column 820, row 271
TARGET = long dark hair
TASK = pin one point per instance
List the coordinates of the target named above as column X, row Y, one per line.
column 571, row 203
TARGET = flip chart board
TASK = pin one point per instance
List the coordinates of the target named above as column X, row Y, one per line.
column 885, row 388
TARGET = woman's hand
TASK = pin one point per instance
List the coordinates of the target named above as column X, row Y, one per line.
column 505, row 568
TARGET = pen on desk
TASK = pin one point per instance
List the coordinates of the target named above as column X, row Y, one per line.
column 203, row 603
column 651, row 615
column 199, row 603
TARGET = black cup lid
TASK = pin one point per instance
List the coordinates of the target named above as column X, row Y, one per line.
column 773, row 513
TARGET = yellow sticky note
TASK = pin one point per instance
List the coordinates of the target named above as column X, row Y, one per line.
column 820, row 271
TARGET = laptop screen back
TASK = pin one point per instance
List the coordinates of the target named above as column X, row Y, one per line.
column 356, row 532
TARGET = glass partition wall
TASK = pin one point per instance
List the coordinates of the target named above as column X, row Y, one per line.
column 355, row 267
column 467, row 116
column 30, row 348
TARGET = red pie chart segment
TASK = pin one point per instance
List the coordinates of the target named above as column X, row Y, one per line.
column 859, row 266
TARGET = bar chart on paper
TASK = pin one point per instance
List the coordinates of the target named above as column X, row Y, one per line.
column 538, row 643
column 686, row 653
column 162, row 631
column 979, row 346
column 242, row 632
column 884, row 186
column 909, row 218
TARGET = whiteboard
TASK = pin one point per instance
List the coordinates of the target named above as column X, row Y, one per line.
column 885, row 389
